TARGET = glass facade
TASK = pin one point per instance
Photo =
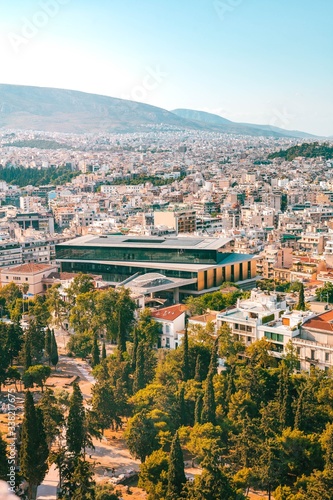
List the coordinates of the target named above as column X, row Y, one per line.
column 141, row 254
column 118, row 274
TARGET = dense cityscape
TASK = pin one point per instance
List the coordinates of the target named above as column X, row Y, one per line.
column 166, row 250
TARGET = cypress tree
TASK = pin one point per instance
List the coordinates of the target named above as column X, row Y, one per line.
column 299, row 410
column 283, row 397
column 3, row 460
column 182, row 406
column 213, row 359
column 209, row 407
column 139, row 374
column 27, row 353
column 103, row 351
column 198, row 409
column 135, row 348
column 329, row 448
column 301, row 300
column 34, row 450
column 75, row 435
column 176, row 473
column 54, row 357
column 197, row 376
column 185, row 360
column 95, row 353
column 48, row 344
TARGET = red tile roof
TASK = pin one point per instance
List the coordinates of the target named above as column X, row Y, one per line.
column 323, row 322
column 169, row 313
column 29, row 268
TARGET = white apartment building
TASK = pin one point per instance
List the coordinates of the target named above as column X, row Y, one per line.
column 10, row 253
column 264, row 315
column 172, row 321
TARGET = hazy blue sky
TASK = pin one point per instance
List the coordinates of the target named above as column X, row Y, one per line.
column 256, row 61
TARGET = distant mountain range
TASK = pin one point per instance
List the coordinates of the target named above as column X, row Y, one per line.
column 69, row 111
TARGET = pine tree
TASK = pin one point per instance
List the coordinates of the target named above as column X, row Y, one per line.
column 198, row 409
column 301, row 300
column 34, row 450
column 139, row 374
column 48, row 344
column 103, row 351
column 197, row 376
column 176, row 473
column 185, row 360
column 75, row 435
column 54, row 357
column 209, row 407
column 95, row 353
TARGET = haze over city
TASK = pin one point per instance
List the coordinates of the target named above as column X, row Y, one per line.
column 166, row 250
column 249, row 61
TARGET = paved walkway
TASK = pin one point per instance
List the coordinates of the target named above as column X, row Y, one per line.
column 48, row 490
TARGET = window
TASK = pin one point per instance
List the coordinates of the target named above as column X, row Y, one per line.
column 278, row 337
column 167, row 342
column 312, row 354
column 298, row 350
column 167, row 328
column 327, row 356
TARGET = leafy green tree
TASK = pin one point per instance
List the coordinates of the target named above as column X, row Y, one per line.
column 327, row 445
column 153, row 476
column 83, row 315
column 82, row 283
column 176, row 473
column 10, row 293
column 37, row 374
column 38, row 309
column 325, row 293
column 213, row 483
column 75, row 435
column 34, row 450
column 80, row 344
column 141, row 436
column 104, row 404
column 56, row 305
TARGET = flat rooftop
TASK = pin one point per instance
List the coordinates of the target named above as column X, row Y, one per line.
column 149, row 242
